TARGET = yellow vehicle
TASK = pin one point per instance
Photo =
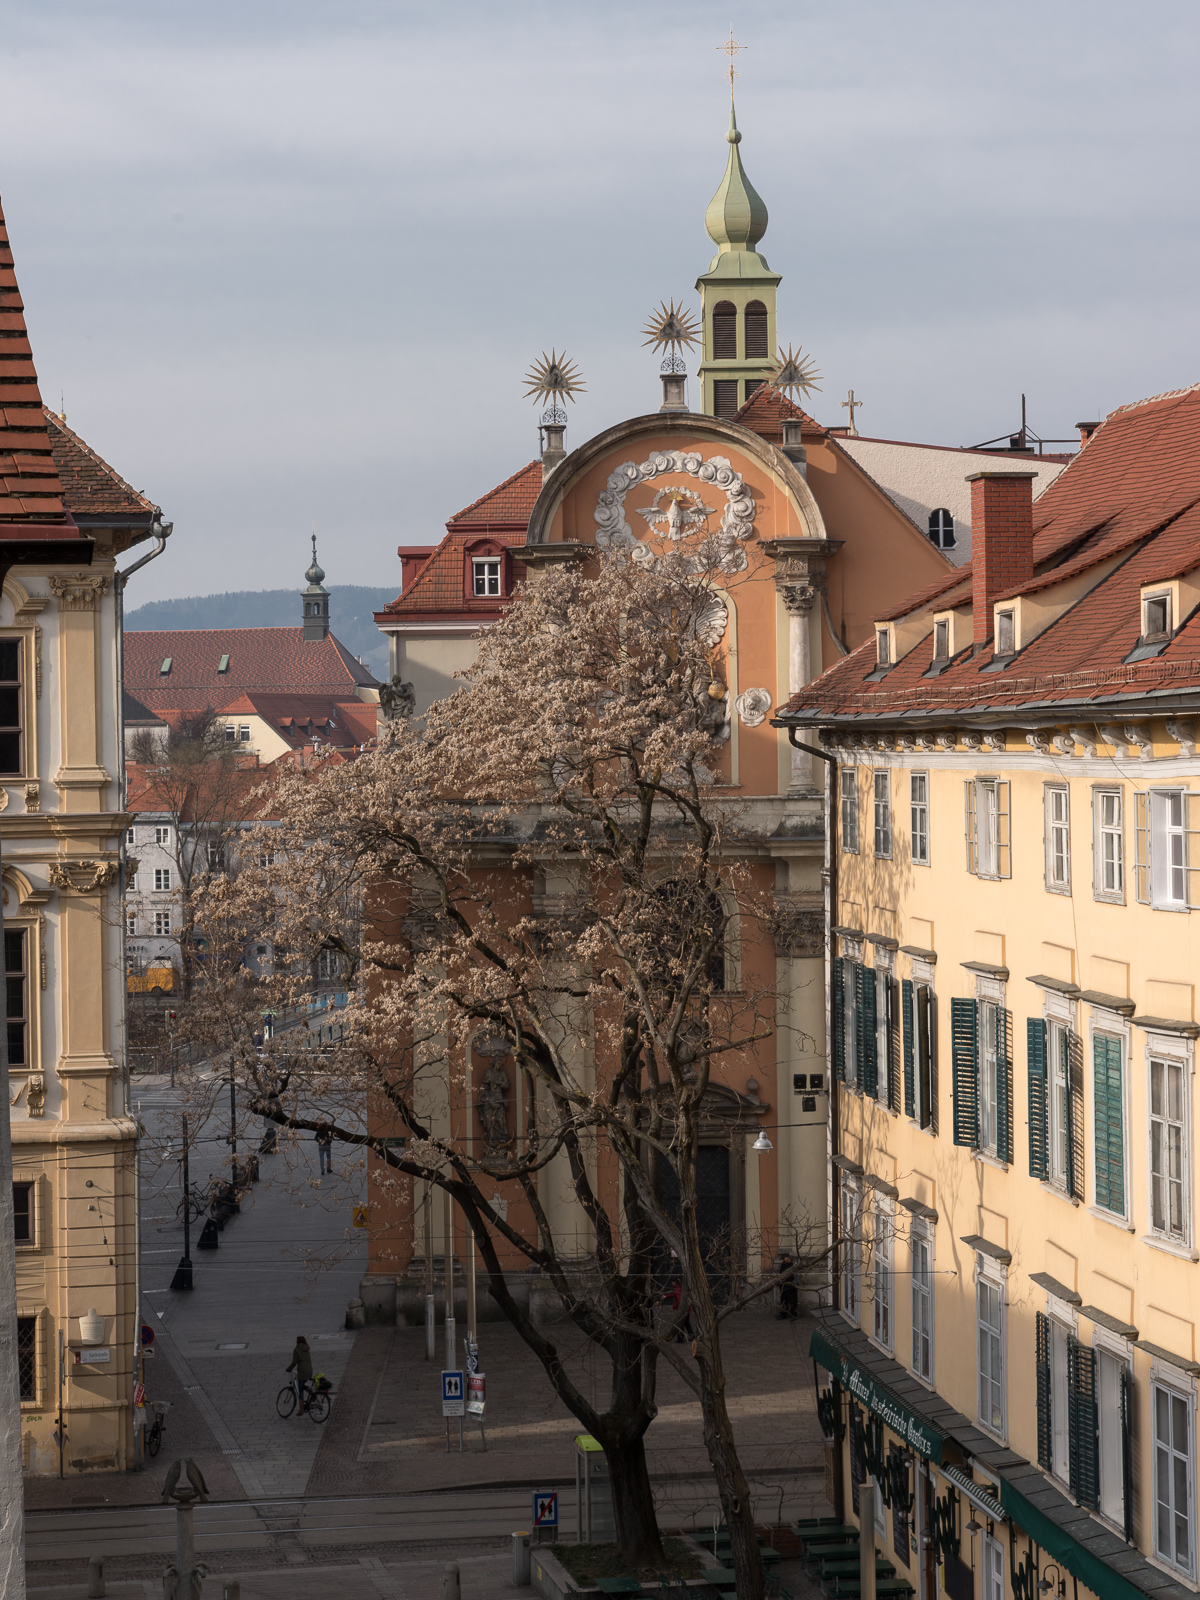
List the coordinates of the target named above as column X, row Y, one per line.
column 155, row 980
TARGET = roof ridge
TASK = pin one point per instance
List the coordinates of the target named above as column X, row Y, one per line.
column 1167, row 394
column 512, row 478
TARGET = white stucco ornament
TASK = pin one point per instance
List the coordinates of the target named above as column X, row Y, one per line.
column 753, row 705
column 684, row 514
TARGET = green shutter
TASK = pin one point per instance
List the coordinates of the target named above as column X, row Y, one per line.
column 1082, row 1424
column 1045, row 1428
column 868, row 1048
column 1075, row 1115
column 1127, row 1451
column 1004, row 1117
column 1035, row 1030
column 927, row 1073
column 1110, row 1124
column 906, row 1011
column 837, row 1009
column 964, row 1067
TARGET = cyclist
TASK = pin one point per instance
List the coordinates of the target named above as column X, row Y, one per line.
column 302, row 1362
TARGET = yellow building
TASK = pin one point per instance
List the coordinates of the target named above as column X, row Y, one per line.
column 1014, row 793
column 65, row 517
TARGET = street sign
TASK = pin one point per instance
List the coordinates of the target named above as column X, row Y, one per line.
column 545, row 1508
column 147, row 1335
column 476, row 1395
column 453, row 1399
column 362, row 1216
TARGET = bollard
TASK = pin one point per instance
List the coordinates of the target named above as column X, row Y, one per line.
column 96, row 1589
column 231, row 1589
column 521, row 1560
column 451, row 1589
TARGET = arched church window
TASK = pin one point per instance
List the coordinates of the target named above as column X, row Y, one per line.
column 724, row 330
column 941, row 529
column 756, row 330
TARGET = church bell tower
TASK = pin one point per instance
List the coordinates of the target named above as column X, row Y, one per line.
column 737, row 293
column 316, row 601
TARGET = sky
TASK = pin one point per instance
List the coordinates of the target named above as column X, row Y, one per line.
column 286, row 261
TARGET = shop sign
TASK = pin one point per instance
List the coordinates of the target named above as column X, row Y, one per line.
column 914, row 1430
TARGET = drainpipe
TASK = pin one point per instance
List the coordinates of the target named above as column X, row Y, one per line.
column 161, row 531
column 831, row 900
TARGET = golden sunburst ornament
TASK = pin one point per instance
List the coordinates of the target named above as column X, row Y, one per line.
column 671, row 327
column 553, row 378
column 795, row 371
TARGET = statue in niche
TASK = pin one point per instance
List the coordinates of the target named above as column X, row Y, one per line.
column 492, row 1103
column 398, row 700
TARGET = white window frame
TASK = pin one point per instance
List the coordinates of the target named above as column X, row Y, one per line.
column 881, row 790
column 918, row 798
column 883, row 648
column 1056, row 800
column 161, row 917
column 848, row 779
column 1180, row 1391
column 1006, row 633
column 989, row 1277
column 987, row 827
column 128, row 835
column 992, row 1584
column 1058, row 1101
column 920, row 1242
column 162, row 880
column 883, row 1275
column 162, row 835
column 851, row 1250
column 941, row 639
column 243, row 733
column 131, row 925
column 1110, row 1348
column 884, row 999
column 1111, row 1025
column 1170, row 1059
column 849, row 1061
column 988, row 1086
column 1060, row 1384
column 486, row 571
column 1163, row 598
column 1108, row 845
column 1168, row 840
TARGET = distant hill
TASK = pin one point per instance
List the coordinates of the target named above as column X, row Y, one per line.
column 350, row 616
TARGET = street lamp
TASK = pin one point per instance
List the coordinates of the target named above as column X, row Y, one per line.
column 762, row 1143
column 183, row 1272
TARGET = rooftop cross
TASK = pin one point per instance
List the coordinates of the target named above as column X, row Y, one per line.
column 731, row 48
column 852, row 405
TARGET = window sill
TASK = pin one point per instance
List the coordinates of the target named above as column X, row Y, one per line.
column 1178, row 908
column 1059, row 888
column 1059, row 1193
column 926, row 1383
column 1177, row 1573
column 1000, row 1438
column 1104, row 899
column 989, row 1160
column 1111, row 1217
column 884, row 1350
column 1170, row 1247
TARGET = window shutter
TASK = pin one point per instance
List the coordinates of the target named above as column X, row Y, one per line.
column 1141, row 847
column 1035, row 1031
column 1191, row 822
column 837, row 1009
column 906, row 1009
column 1075, row 1115
column 868, row 1052
column 1127, row 1451
column 1045, row 1433
column 1110, row 1119
column 1004, row 1116
column 972, row 833
column 928, row 1062
column 964, row 1064
column 893, row 1044
column 1082, row 1424
column 1003, row 830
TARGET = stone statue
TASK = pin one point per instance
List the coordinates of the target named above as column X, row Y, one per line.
column 35, row 1099
column 397, row 699
column 492, row 1102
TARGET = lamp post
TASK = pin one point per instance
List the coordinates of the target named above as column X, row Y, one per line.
column 183, row 1272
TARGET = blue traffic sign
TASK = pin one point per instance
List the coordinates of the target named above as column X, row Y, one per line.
column 545, row 1508
column 454, row 1397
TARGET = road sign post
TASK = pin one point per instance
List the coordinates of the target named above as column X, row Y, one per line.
column 477, row 1400
column 545, row 1514
column 454, row 1402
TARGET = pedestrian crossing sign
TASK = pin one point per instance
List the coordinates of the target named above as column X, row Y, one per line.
column 362, row 1216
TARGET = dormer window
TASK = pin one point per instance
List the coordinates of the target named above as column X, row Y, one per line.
column 1156, row 616
column 1006, row 633
column 941, row 639
column 485, row 576
column 883, row 647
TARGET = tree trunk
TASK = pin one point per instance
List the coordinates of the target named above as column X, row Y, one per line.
column 732, row 1487
column 639, row 1543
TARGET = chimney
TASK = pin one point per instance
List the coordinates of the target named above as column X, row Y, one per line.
column 553, row 451
column 792, row 447
column 674, row 391
column 1001, row 540
column 1086, row 430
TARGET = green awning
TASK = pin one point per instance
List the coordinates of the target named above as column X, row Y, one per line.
column 1091, row 1570
column 916, row 1431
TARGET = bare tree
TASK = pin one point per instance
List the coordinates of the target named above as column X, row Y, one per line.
column 547, row 861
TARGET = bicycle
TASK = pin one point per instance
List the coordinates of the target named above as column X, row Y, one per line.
column 316, row 1399
column 154, row 1432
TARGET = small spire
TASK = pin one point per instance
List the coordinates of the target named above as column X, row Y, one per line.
column 736, row 218
column 316, row 598
column 314, row 574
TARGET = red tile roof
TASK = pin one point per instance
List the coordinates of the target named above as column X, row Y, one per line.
column 299, row 718
column 30, row 489
column 270, row 660
column 439, row 587
column 510, row 502
column 765, row 410
column 1132, row 497
column 90, row 486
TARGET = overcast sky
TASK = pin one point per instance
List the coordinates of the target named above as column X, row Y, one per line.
column 286, row 260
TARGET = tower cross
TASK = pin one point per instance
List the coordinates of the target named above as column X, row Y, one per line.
column 851, row 404
column 731, row 48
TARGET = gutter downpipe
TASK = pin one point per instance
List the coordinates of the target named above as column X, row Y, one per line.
column 831, row 891
column 162, row 532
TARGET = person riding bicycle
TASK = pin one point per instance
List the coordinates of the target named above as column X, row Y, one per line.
column 302, row 1362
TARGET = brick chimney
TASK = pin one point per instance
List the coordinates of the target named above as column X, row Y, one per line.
column 1086, row 430
column 1001, row 540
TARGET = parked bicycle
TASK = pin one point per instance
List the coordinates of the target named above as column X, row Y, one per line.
column 154, row 1432
column 316, row 1398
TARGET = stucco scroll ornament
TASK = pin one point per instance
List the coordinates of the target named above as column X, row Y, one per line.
column 5, row 797
column 33, row 797
column 722, row 549
column 753, row 705
column 83, row 877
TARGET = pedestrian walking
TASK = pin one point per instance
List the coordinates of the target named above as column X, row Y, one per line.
column 679, row 1322
column 302, row 1362
column 789, row 1296
column 324, row 1138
